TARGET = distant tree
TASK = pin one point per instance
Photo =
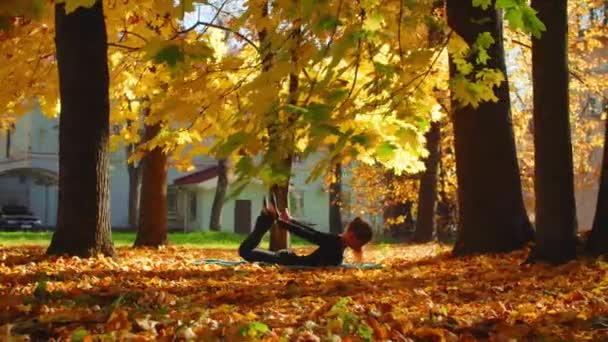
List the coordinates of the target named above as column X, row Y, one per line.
column 427, row 194
column 220, row 195
column 152, row 228
column 134, row 171
column 335, row 200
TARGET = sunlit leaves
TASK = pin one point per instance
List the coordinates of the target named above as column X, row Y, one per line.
column 474, row 92
column 521, row 16
column 72, row 5
column 449, row 297
column 373, row 22
column 483, row 43
column 11, row 9
column 484, row 4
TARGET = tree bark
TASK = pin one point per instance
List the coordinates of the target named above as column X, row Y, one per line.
column 395, row 207
column 335, row 201
column 400, row 231
column 152, row 229
column 83, row 215
column 279, row 237
column 220, row 195
column 427, row 195
column 134, row 171
column 597, row 241
column 492, row 214
column 553, row 172
column 279, row 141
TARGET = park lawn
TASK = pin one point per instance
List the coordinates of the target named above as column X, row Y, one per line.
column 206, row 239
column 420, row 294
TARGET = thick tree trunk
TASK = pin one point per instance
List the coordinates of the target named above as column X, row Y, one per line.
column 553, row 173
column 597, row 242
column 492, row 214
column 220, row 195
column 427, row 195
column 83, row 215
column 134, row 171
column 152, row 229
column 335, row 201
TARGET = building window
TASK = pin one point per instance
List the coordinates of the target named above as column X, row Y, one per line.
column 171, row 200
column 8, row 143
column 595, row 107
column 296, row 203
column 193, row 204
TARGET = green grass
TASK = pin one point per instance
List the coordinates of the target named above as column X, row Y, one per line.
column 198, row 239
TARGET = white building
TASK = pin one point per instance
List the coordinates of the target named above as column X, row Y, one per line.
column 29, row 174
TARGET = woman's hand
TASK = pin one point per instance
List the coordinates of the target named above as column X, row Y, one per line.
column 284, row 215
column 270, row 209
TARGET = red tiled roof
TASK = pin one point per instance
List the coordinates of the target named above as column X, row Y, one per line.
column 197, row 177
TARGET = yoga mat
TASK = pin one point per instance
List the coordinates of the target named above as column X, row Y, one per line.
column 231, row 263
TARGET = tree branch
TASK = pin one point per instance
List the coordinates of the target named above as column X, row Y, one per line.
column 130, row 48
column 219, row 27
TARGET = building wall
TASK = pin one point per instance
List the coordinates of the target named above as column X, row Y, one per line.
column 35, row 140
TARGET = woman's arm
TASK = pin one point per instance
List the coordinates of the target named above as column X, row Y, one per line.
column 303, row 231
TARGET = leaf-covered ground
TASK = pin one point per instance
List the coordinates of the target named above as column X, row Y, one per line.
column 421, row 294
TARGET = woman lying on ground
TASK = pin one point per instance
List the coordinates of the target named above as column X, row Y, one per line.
column 331, row 246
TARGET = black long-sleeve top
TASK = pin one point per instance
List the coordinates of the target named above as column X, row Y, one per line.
column 331, row 248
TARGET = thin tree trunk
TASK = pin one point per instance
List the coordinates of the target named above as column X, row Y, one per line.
column 553, row 171
column 83, row 215
column 220, row 195
column 445, row 208
column 152, row 229
column 135, row 172
column 335, row 201
column 394, row 209
column 400, row 231
column 597, row 242
column 492, row 216
column 279, row 237
column 427, row 195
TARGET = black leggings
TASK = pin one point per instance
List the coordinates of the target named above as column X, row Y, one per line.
column 249, row 251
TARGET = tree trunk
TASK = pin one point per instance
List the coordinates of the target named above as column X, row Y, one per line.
column 279, row 237
column 553, row 175
column 446, row 208
column 152, row 229
column 492, row 214
column 427, row 195
column 400, row 231
column 597, row 242
column 83, row 215
column 395, row 208
column 335, row 201
column 134, row 171
column 220, row 195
